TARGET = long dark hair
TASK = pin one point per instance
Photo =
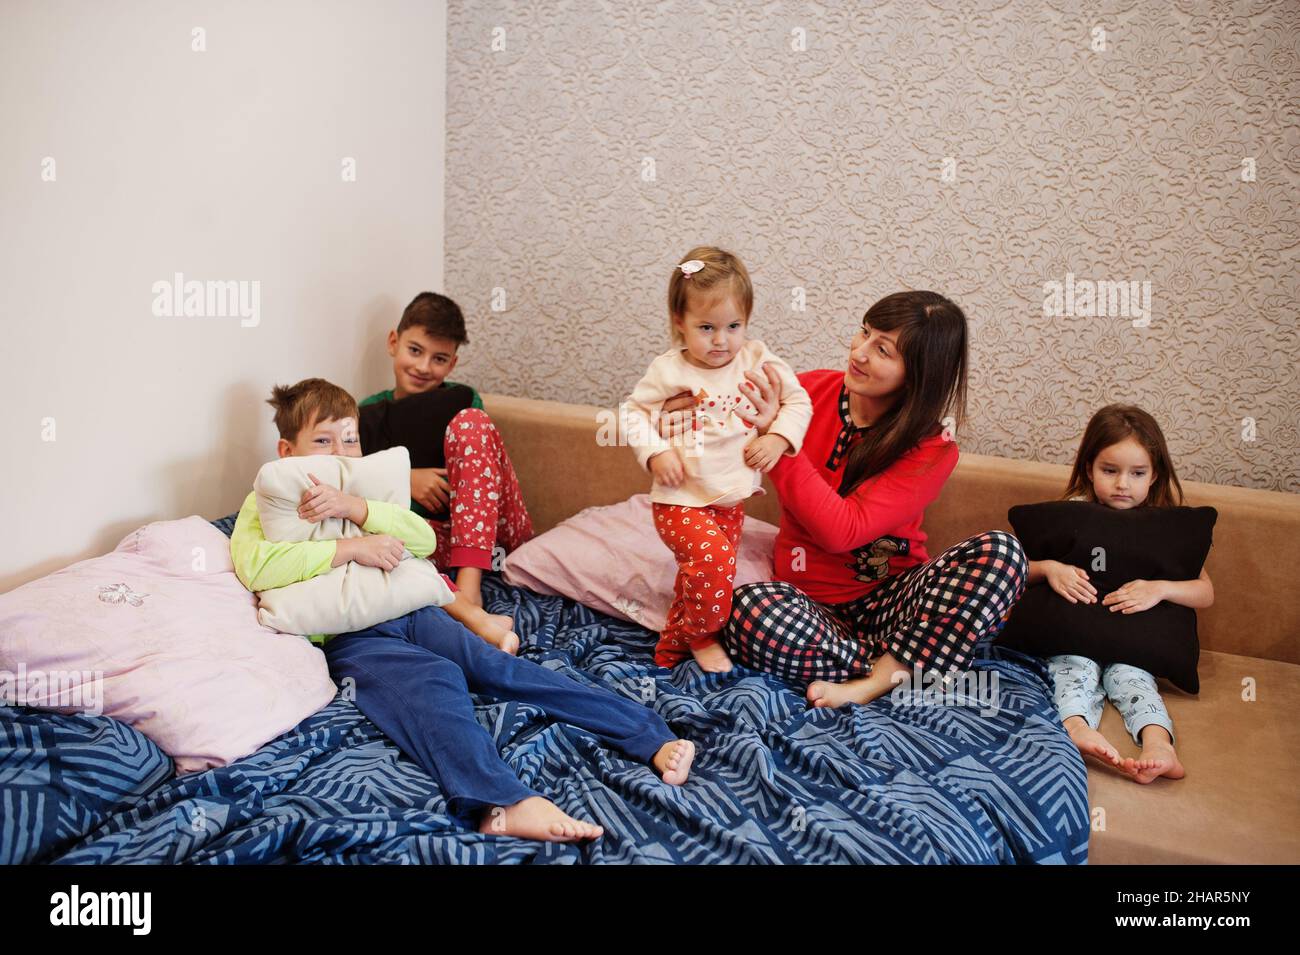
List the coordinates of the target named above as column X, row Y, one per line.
column 1111, row 425
column 932, row 342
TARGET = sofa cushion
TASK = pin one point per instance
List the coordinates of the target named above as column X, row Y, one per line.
column 1237, row 741
column 417, row 423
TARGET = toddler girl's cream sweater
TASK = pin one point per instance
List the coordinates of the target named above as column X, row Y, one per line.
column 714, row 453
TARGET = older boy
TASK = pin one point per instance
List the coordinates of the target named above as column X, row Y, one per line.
column 473, row 503
column 413, row 675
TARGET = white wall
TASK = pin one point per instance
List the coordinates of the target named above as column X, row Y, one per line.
column 222, row 165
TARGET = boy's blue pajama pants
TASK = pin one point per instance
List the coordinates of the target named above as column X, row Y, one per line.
column 413, row 677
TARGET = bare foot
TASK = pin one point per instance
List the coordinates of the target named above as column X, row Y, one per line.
column 674, row 761
column 468, row 582
column 1091, row 743
column 537, row 818
column 1157, row 758
column 498, row 630
column 712, row 658
column 880, row 681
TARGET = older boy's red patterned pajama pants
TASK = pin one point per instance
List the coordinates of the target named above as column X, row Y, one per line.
column 486, row 508
column 705, row 541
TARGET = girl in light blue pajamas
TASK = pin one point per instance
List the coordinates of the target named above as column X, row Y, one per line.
column 1082, row 686
column 1122, row 462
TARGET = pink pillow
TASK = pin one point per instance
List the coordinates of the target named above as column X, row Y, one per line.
column 160, row 634
column 611, row 559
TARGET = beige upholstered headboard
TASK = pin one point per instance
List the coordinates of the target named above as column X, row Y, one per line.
column 1255, row 561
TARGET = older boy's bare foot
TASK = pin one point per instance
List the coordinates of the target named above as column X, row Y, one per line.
column 499, row 631
column 469, row 582
column 712, row 658
column 537, row 818
column 886, row 672
column 1156, row 759
column 1092, row 743
column 674, row 761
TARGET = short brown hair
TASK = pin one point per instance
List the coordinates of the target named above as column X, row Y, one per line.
column 310, row 400
column 720, row 268
column 438, row 315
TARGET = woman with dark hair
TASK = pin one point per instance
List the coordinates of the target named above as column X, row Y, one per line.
column 857, row 599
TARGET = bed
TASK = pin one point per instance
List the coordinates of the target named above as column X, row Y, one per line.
column 774, row 782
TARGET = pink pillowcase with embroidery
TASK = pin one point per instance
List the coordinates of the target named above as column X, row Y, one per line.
column 611, row 559
column 161, row 635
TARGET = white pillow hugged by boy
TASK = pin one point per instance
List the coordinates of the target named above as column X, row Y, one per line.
column 352, row 596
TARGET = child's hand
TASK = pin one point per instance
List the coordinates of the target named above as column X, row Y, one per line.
column 1135, row 596
column 322, row 501
column 1070, row 582
column 429, row 486
column 375, row 550
column 763, row 452
column 667, row 468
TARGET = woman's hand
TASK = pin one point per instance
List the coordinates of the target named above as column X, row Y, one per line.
column 764, row 393
column 1070, row 582
column 672, row 421
column 1135, row 596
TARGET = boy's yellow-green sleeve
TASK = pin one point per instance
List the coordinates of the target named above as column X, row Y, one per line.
column 404, row 524
column 261, row 564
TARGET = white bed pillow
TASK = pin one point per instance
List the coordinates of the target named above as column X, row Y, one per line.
column 382, row 476
column 350, row 597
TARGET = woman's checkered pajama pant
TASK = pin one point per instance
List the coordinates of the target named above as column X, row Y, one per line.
column 930, row 616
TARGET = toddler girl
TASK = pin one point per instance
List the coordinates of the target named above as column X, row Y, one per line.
column 703, row 476
column 1123, row 463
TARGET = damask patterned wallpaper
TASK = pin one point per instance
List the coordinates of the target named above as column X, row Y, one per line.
column 981, row 148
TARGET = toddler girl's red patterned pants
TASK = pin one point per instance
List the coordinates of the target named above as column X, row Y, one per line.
column 486, row 508
column 705, row 541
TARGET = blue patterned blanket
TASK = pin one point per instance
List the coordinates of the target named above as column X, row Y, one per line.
column 774, row 782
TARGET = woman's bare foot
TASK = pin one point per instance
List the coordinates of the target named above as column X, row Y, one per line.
column 712, row 658
column 1157, row 757
column 537, row 818
column 880, row 681
column 469, row 582
column 674, row 761
column 498, row 630
column 1091, row 743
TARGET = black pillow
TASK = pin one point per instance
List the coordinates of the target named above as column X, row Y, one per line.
column 417, row 422
column 1143, row 543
